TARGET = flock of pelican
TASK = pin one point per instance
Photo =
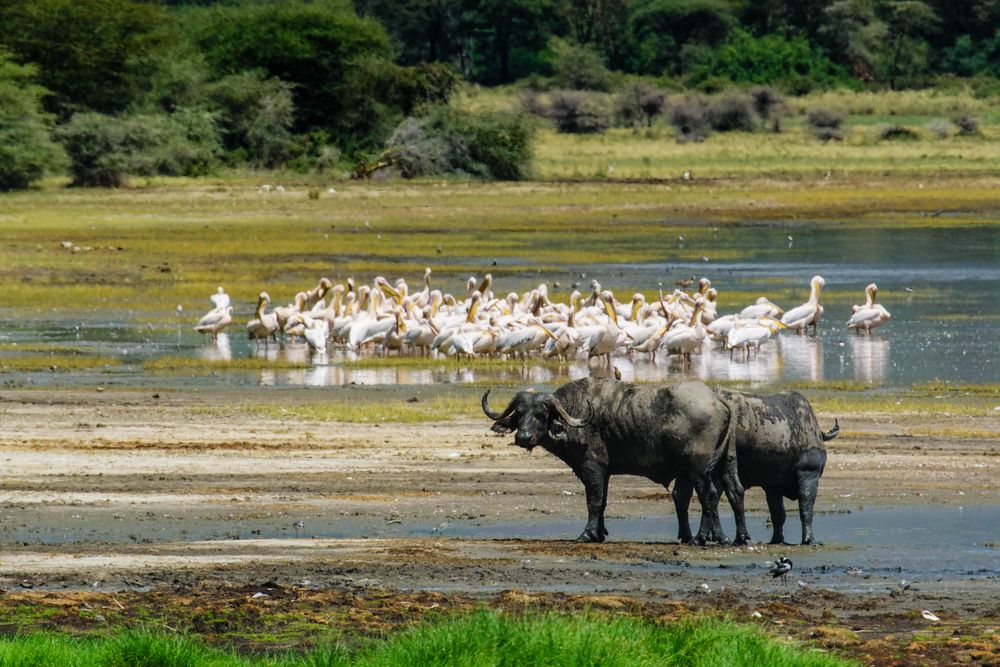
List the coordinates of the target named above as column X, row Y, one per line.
column 386, row 317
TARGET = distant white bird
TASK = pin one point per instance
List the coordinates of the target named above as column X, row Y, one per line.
column 220, row 299
column 929, row 615
column 781, row 568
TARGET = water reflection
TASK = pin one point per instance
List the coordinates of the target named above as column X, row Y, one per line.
column 217, row 350
column 802, row 356
column 870, row 357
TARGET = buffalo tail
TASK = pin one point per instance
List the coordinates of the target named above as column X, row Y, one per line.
column 729, row 436
column 832, row 433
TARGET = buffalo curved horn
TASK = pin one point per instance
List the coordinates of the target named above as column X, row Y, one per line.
column 493, row 414
column 570, row 421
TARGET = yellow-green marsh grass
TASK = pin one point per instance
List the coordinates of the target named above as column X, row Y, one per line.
column 179, row 240
column 436, row 408
column 57, row 362
column 901, row 404
column 205, row 366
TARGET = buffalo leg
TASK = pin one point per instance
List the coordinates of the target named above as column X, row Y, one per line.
column 682, row 501
column 730, row 481
column 593, row 477
column 604, row 504
column 776, row 506
column 808, row 486
column 710, row 529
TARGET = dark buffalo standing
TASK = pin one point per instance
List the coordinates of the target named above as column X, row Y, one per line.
column 779, row 446
column 602, row 427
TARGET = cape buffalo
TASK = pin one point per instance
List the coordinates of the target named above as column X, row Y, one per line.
column 779, row 446
column 602, row 427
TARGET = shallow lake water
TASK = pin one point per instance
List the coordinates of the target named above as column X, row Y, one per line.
column 942, row 286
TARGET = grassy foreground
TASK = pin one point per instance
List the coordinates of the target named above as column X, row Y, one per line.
column 482, row 639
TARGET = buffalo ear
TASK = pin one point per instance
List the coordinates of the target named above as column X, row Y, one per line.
column 501, row 428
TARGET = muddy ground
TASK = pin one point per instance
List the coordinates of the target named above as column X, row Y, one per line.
column 181, row 511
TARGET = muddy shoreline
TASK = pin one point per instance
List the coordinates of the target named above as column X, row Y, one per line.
column 120, row 494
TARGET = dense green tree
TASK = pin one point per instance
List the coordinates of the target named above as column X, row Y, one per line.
column 908, row 24
column 969, row 58
column 506, row 38
column 310, row 45
column 769, row 59
column 602, row 24
column 86, row 50
column 26, row 147
column 662, row 28
column 421, row 30
column 854, row 33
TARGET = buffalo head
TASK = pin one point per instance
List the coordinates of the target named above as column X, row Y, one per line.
column 533, row 417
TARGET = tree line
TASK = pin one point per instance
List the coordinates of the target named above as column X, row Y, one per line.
column 110, row 88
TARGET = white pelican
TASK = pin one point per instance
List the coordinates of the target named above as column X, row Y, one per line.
column 809, row 313
column 870, row 315
column 762, row 308
column 423, row 297
column 603, row 339
column 220, row 299
column 684, row 340
column 318, row 292
column 314, row 330
column 285, row 312
column 215, row 321
column 264, row 324
column 745, row 335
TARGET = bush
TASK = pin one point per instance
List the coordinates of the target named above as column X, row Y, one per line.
column 578, row 67
column 492, row 146
column 941, row 129
column 826, row 124
column 689, row 117
column 105, row 150
column 967, row 125
column 578, row 112
column 825, row 118
column 826, row 134
column 732, row 112
column 639, row 103
column 532, row 101
column 895, row 133
column 26, row 147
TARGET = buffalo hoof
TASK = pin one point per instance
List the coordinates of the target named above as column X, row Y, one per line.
column 589, row 536
column 742, row 540
column 779, row 540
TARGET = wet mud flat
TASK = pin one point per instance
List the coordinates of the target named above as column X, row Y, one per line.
column 116, row 505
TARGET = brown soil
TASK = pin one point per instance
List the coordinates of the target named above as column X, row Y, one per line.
column 121, row 507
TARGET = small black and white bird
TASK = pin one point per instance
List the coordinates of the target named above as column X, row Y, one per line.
column 781, row 568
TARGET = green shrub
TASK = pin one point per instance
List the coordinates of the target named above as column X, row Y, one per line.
column 578, row 67
column 105, row 150
column 732, row 112
column 690, row 119
column 26, row 147
column 579, row 112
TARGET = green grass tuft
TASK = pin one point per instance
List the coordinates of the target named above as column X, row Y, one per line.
column 483, row 639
